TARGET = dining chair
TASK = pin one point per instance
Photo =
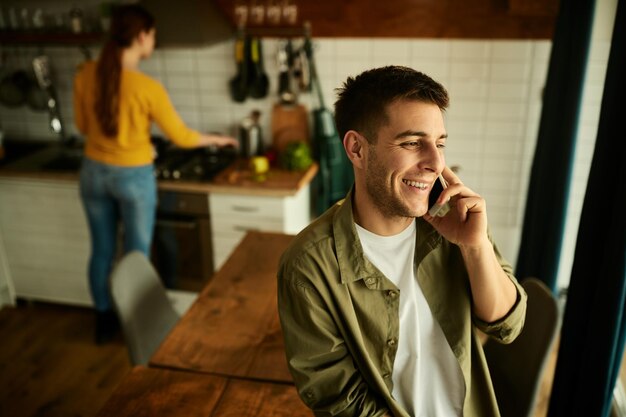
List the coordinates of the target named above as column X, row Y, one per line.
column 517, row 368
column 146, row 313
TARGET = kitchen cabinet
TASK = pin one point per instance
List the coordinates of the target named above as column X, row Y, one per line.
column 46, row 239
column 7, row 295
column 233, row 215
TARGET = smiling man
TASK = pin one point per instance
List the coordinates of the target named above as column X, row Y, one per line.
column 379, row 301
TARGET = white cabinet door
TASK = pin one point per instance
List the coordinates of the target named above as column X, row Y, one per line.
column 233, row 215
column 46, row 239
column 7, row 294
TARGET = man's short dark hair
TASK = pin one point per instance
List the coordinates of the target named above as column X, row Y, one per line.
column 363, row 100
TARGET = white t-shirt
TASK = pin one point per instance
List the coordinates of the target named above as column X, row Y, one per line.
column 426, row 376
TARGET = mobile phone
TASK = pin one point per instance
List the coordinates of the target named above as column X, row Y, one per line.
column 433, row 208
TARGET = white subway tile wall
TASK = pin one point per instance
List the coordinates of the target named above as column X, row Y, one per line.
column 495, row 88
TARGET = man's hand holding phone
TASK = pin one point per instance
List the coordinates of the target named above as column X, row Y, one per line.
column 466, row 223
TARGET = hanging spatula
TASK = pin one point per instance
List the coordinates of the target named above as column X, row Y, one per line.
column 238, row 86
column 259, row 83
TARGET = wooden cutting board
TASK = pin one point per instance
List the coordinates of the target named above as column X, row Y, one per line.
column 289, row 123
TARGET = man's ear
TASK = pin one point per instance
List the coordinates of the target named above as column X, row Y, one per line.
column 355, row 147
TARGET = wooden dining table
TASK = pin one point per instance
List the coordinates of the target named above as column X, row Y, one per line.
column 232, row 329
column 149, row 392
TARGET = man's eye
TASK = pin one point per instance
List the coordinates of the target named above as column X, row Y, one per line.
column 441, row 145
column 410, row 145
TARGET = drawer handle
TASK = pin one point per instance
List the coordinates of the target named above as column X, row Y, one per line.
column 246, row 209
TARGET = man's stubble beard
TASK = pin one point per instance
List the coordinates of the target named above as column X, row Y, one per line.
column 381, row 192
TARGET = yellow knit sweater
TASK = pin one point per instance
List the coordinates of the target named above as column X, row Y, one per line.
column 142, row 100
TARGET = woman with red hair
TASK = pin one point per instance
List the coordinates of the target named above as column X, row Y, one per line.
column 114, row 106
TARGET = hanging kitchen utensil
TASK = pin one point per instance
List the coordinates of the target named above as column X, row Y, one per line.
column 285, row 93
column 301, row 70
column 36, row 97
column 336, row 173
column 13, row 88
column 20, row 87
column 289, row 119
column 41, row 67
column 238, row 85
column 259, row 83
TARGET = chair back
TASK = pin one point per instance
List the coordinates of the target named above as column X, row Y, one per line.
column 517, row 368
column 145, row 312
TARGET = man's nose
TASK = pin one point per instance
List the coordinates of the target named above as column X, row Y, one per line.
column 432, row 158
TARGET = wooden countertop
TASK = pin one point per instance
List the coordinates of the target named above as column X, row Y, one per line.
column 167, row 393
column 232, row 329
column 233, row 180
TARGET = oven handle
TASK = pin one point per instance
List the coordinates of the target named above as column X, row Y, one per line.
column 180, row 224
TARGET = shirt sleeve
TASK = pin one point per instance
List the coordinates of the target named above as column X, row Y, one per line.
column 165, row 116
column 323, row 369
column 510, row 326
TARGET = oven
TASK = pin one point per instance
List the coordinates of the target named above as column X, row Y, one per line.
column 182, row 251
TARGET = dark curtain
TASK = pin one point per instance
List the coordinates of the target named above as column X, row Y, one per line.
column 548, row 190
column 594, row 324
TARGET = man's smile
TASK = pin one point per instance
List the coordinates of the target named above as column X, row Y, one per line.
column 416, row 184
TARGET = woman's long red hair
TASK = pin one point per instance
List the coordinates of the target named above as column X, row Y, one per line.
column 127, row 22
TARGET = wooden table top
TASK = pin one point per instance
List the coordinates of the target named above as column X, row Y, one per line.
column 167, row 393
column 232, row 329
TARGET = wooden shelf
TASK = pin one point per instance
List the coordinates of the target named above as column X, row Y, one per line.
column 477, row 19
column 276, row 31
column 49, row 38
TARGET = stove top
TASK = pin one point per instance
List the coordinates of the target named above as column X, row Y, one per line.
column 201, row 164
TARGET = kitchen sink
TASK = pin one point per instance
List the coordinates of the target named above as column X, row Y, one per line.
column 16, row 150
column 64, row 161
column 31, row 155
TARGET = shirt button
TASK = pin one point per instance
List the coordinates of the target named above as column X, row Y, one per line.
column 385, row 376
column 391, row 342
column 392, row 294
column 370, row 281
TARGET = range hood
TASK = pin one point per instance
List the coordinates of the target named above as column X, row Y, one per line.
column 189, row 22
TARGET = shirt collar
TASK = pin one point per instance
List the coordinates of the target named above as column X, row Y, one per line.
column 353, row 265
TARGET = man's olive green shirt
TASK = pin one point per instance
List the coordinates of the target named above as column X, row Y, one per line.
column 340, row 320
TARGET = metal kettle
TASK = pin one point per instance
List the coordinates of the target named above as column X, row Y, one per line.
column 251, row 136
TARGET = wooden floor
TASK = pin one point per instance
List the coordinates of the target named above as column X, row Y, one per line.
column 50, row 365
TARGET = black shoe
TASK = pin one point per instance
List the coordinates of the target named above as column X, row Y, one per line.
column 107, row 326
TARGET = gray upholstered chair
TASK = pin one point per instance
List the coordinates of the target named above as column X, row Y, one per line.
column 517, row 369
column 146, row 313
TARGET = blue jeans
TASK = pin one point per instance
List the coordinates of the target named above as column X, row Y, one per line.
column 111, row 194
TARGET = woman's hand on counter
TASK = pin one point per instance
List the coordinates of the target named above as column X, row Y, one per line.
column 217, row 140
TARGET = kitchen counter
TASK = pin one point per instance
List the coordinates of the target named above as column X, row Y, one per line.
column 58, row 163
column 41, row 212
column 233, row 180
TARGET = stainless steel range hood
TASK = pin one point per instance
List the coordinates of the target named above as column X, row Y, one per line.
column 189, row 22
